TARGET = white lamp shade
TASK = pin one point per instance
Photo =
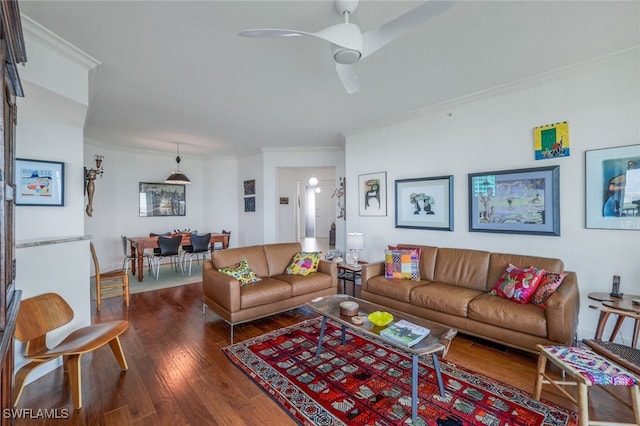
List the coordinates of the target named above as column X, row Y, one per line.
column 355, row 240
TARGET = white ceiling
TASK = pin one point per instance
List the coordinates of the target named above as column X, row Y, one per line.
column 177, row 71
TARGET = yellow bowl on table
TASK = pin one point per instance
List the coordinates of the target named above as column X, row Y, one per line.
column 380, row 318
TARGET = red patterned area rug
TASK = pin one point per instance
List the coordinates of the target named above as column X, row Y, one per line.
column 369, row 383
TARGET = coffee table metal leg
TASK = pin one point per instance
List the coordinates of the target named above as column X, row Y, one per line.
column 344, row 335
column 414, row 387
column 324, row 324
column 436, row 367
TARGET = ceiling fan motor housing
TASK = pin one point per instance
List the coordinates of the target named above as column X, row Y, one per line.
column 345, row 56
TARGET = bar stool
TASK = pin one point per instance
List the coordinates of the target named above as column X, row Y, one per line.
column 587, row 368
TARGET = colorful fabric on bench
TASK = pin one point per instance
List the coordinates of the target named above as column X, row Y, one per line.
column 591, row 366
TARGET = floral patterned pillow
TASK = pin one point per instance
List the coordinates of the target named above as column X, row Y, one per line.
column 518, row 284
column 303, row 263
column 242, row 272
column 549, row 283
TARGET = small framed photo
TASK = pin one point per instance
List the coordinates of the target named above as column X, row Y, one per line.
column 524, row 201
column 284, row 200
column 39, row 183
column 425, row 203
column 613, row 188
column 250, row 204
column 250, row 187
column 372, row 194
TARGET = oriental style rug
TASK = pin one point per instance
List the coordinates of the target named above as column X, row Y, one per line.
column 369, row 383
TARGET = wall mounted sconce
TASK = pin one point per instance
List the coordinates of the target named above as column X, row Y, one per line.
column 90, row 176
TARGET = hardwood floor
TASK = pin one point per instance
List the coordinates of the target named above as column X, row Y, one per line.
column 179, row 376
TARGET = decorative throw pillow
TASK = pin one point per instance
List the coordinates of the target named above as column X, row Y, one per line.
column 242, row 272
column 402, row 264
column 549, row 283
column 518, row 284
column 303, row 263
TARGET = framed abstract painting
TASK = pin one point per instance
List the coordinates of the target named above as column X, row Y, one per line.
column 425, row 203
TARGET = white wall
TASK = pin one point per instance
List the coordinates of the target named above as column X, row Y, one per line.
column 49, row 127
column 494, row 132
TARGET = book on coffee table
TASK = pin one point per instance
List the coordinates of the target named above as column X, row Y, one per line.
column 405, row 332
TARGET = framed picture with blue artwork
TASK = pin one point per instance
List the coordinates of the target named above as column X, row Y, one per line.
column 613, row 188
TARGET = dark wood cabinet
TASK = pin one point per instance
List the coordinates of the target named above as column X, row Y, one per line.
column 12, row 53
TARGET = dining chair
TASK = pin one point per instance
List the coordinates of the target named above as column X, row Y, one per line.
column 169, row 247
column 110, row 283
column 199, row 246
column 41, row 314
column 128, row 258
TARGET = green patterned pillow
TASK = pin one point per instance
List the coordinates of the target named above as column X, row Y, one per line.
column 242, row 272
column 303, row 263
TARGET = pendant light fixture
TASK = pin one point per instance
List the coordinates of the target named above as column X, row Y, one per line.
column 177, row 177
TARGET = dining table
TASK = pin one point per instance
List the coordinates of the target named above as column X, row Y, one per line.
column 139, row 244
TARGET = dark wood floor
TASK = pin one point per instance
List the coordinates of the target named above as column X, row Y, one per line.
column 179, row 376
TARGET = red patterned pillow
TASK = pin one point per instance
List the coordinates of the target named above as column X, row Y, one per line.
column 549, row 283
column 518, row 284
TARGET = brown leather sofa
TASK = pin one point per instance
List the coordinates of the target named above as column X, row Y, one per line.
column 454, row 291
column 276, row 292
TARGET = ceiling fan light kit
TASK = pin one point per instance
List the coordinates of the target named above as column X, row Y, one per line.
column 349, row 44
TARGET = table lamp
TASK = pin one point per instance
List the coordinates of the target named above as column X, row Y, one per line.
column 355, row 244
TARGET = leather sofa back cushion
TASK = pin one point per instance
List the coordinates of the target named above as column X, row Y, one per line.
column 463, row 267
column 279, row 256
column 499, row 261
column 254, row 255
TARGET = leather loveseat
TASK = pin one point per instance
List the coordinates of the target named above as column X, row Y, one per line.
column 454, row 290
column 275, row 292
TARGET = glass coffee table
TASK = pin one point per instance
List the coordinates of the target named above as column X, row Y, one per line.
column 435, row 344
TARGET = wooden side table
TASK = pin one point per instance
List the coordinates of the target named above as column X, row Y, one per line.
column 349, row 273
column 623, row 307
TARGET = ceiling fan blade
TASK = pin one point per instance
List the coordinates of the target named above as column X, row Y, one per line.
column 378, row 37
column 348, row 78
column 273, row 33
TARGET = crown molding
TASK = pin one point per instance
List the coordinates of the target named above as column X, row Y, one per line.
column 41, row 35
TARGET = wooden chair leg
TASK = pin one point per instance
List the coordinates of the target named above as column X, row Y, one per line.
column 583, row 404
column 542, row 366
column 75, row 380
column 116, row 348
column 21, row 378
column 126, row 289
column 635, row 402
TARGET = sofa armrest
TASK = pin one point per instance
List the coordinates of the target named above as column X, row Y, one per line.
column 330, row 268
column 562, row 310
column 369, row 270
column 221, row 288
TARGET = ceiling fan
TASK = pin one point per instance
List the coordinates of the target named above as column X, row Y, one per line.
column 349, row 44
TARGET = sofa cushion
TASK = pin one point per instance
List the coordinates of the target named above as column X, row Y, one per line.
column 462, row 267
column 279, row 255
column 303, row 284
column 267, row 291
column 549, row 283
column 402, row 264
column 518, row 284
column 303, row 263
column 444, row 298
column 241, row 272
column 529, row 318
column 254, row 255
column 392, row 288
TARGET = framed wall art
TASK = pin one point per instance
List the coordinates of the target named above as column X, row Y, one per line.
column 250, row 204
column 524, row 201
column 372, row 194
column 613, row 188
column 162, row 199
column 39, row 183
column 425, row 203
column 250, row 187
